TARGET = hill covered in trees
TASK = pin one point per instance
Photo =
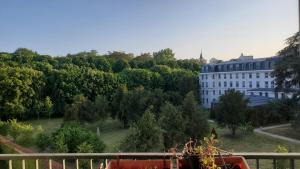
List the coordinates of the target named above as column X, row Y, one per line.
column 34, row 85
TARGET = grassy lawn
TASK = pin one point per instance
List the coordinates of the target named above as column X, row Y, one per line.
column 252, row 143
column 286, row 131
column 111, row 133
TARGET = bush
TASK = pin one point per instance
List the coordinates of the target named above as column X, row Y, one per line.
column 282, row 164
column 43, row 141
column 71, row 135
column 21, row 133
column 4, row 126
column 246, row 128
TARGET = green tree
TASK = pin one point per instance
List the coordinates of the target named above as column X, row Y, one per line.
column 164, row 56
column 173, row 125
column 144, row 136
column 71, row 137
column 20, row 90
column 117, row 99
column 197, row 125
column 120, row 65
column 85, row 110
column 231, row 110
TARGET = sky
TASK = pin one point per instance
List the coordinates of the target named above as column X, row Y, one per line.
column 222, row 29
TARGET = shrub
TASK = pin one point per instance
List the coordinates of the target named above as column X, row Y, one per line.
column 43, row 141
column 21, row 133
column 281, row 164
column 247, row 128
column 71, row 135
column 4, row 128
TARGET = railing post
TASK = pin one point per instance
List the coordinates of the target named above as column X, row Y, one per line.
column 10, row 164
column 36, row 164
column 257, row 163
column 23, row 164
column 292, row 164
column 274, row 164
column 91, row 163
column 50, row 164
column 64, row 164
column 77, row 163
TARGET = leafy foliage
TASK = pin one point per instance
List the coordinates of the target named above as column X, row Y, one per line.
column 71, row 136
column 231, row 110
column 145, row 135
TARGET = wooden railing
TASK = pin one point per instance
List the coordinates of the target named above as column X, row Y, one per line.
column 92, row 157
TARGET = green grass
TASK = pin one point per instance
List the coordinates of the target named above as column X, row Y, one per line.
column 49, row 125
column 112, row 134
column 286, row 131
column 252, row 143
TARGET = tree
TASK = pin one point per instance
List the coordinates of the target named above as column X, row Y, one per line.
column 133, row 105
column 231, row 110
column 117, row 99
column 85, row 110
column 173, row 125
column 120, row 65
column 287, row 71
column 163, row 56
column 20, row 90
column 144, row 136
column 72, row 138
column 197, row 125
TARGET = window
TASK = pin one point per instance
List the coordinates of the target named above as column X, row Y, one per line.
column 260, row 93
column 224, row 76
column 220, row 92
column 272, row 84
column 257, row 75
column 243, row 75
column 213, row 84
column 203, row 92
column 267, row 94
column 206, row 100
column 225, row 84
column 266, row 75
column 250, row 75
column 206, row 84
column 206, row 92
column 202, row 77
column 257, row 84
column 219, row 84
column 252, row 93
column 206, row 77
column 237, row 84
column 266, row 84
column 244, row 84
column 230, row 84
column 237, row 76
column 230, row 76
column 219, row 76
column 213, row 76
column 214, row 92
column 250, row 84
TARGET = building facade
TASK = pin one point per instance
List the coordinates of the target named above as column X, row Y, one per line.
column 252, row 77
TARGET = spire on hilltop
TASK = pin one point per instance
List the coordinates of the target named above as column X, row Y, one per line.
column 201, row 59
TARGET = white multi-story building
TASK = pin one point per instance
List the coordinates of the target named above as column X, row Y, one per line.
column 252, row 77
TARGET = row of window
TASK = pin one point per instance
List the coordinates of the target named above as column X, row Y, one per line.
column 263, row 65
column 237, row 84
column 266, row 75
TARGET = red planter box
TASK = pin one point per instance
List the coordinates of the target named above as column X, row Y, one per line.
column 140, row 164
column 237, row 161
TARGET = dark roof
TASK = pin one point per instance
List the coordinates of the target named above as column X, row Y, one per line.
column 255, row 100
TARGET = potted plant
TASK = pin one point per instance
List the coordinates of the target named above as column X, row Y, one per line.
column 207, row 156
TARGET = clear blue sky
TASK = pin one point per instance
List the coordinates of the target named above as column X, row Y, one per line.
column 221, row 28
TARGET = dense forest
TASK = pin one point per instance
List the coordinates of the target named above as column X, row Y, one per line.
column 115, row 84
